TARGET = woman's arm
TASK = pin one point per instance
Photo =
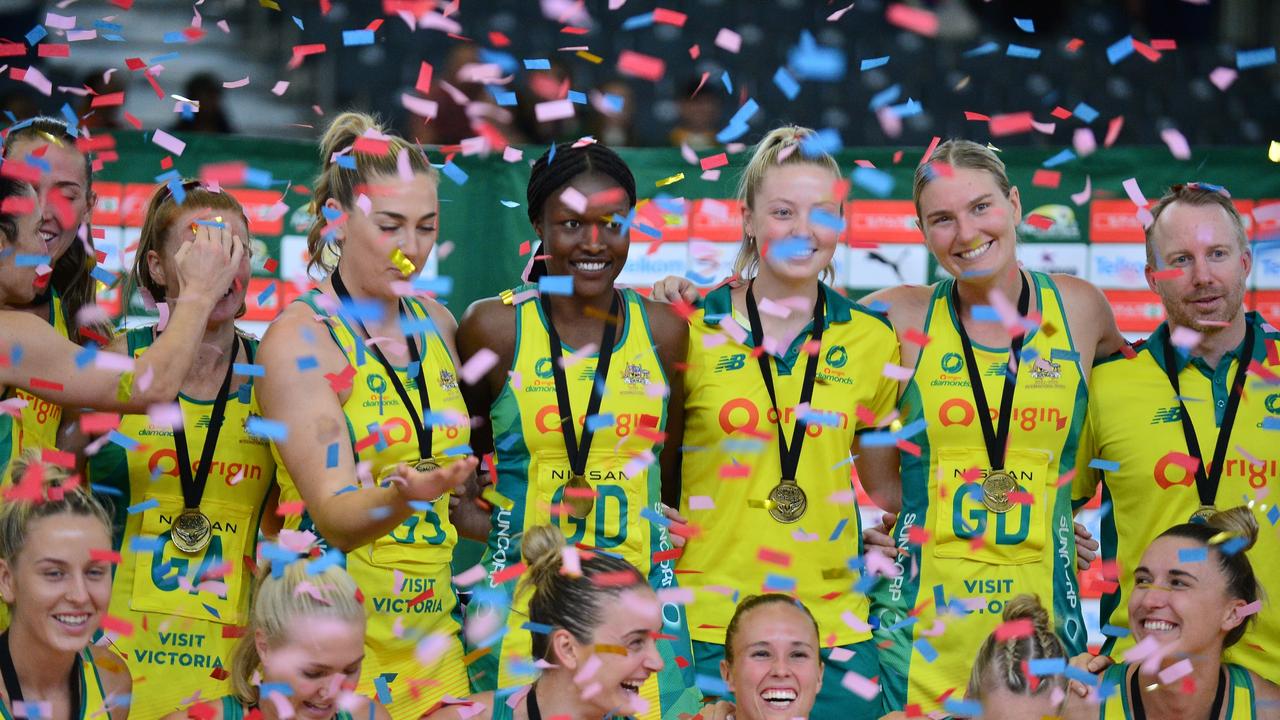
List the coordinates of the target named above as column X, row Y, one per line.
column 308, row 404
column 117, row 683
column 486, row 325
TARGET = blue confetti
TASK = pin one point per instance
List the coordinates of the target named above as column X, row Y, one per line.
column 537, row 628
column 1022, row 51
column 926, row 650
column 1085, row 112
column 266, row 294
column 1273, row 515
column 283, row 689
column 712, row 686
column 331, row 456
column 840, row 526
column 603, row 420
column 537, row 64
column 655, row 517
column 825, row 141
column 144, row 544
column 885, row 97
column 1104, row 465
column 727, row 82
column 36, row 34
column 1025, row 24
column 909, row 108
column 1191, row 555
column 809, row 61
column 786, row 83
column 263, row 427
column 298, row 21
column 984, row 313
column 985, row 48
column 779, row 583
column 86, row 356
column 1246, row 59
column 308, row 362
column 454, row 173
column 164, row 59
column 29, row 260
column 1271, row 423
column 876, row 182
column 577, row 97
column 1042, row 667
column 737, row 126
column 880, row 438
column 556, row 284
column 249, row 370
column 118, row 438
column 1120, row 49
column 145, row 505
column 1115, row 631
column 504, row 98
column 635, row 22
column 436, row 286
column 873, row 63
column 1064, row 156
column 175, row 37
column 963, row 708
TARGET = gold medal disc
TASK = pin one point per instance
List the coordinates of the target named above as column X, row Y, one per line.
column 1203, row 514
column 579, row 503
column 995, row 491
column 191, row 531
column 426, row 465
column 787, row 502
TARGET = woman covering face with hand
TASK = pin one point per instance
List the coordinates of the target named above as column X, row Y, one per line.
column 361, row 382
column 206, row 478
column 55, row 578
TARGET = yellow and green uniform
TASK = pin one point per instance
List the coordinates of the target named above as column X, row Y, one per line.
column 732, row 461
column 93, row 696
column 233, row 709
column 405, row 575
column 38, row 423
column 184, row 607
column 1239, row 703
column 1135, row 431
column 622, row 468
column 963, row 558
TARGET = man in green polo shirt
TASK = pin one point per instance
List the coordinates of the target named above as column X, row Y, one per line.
column 1189, row 420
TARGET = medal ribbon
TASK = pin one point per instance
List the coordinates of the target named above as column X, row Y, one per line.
column 419, row 427
column 1140, row 712
column 788, row 454
column 1207, row 482
column 13, row 688
column 578, row 451
column 193, row 484
column 996, row 438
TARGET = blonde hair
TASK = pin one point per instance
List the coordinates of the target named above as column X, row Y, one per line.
column 772, row 151
column 162, row 212
column 282, row 599
column 960, row 154
column 569, row 602
column 999, row 663
column 1196, row 195
column 61, row 493
column 342, row 184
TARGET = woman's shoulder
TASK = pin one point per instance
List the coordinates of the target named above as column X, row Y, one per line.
column 475, row 707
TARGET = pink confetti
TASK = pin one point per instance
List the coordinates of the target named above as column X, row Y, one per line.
column 571, row 561
column 833, row 17
column 512, row 154
column 470, row 576
column 1113, row 130
column 1139, row 200
column 855, row 622
column 1142, row 650
column 1082, row 197
column 1084, row 141
column 676, row 596
column 639, row 65
column 860, row 686
column 1185, row 338
column 113, row 361
column 419, row 106
column 168, row 142
column 61, row 22
column 701, row 502
column 432, row 647
column 1223, row 77
column 233, row 84
column 773, row 309
column 921, row 22
column 165, row 415
column 36, row 79
column 477, row 365
column 1177, row 143
column 728, row 40
column 553, row 110
column 574, row 200
column 897, row 372
column 280, row 87
column 224, row 27
column 1176, row 671
column 1251, row 609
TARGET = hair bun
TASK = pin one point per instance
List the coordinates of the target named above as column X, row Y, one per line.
column 1026, row 607
column 1239, row 521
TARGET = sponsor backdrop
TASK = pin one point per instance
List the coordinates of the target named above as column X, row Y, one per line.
column 1077, row 219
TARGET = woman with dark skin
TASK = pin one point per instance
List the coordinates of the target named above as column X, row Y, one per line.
column 595, row 476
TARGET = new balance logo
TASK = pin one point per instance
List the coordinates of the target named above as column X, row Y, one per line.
column 731, row 362
column 1167, row 415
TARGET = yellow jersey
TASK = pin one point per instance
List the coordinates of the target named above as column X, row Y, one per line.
column 622, row 468
column 731, row 462
column 93, row 696
column 39, row 421
column 965, row 561
column 405, row 575
column 1135, row 434
column 185, row 608
column 1239, row 702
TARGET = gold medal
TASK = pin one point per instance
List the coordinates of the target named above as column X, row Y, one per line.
column 787, row 502
column 580, row 501
column 995, row 491
column 191, row 531
column 1203, row 514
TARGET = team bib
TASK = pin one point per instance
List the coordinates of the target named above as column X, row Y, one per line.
column 967, row 526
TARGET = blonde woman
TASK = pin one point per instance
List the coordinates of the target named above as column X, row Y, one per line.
column 301, row 654
column 55, row 579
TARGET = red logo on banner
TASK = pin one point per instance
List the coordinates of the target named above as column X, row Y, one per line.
column 882, row 221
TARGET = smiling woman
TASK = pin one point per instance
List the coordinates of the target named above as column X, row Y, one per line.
column 771, row 662
column 55, row 578
column 582, row 404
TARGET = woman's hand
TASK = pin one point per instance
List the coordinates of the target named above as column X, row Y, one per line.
column 1086, row 548
column 208, row 265
column 1093, row 664
column 880, row 539
column 431, row 485
column 672, row 288
column 672, row 514
column 722, row 710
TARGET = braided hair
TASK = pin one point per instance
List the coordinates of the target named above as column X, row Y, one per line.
column 559, row 165
column 1001, row 663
